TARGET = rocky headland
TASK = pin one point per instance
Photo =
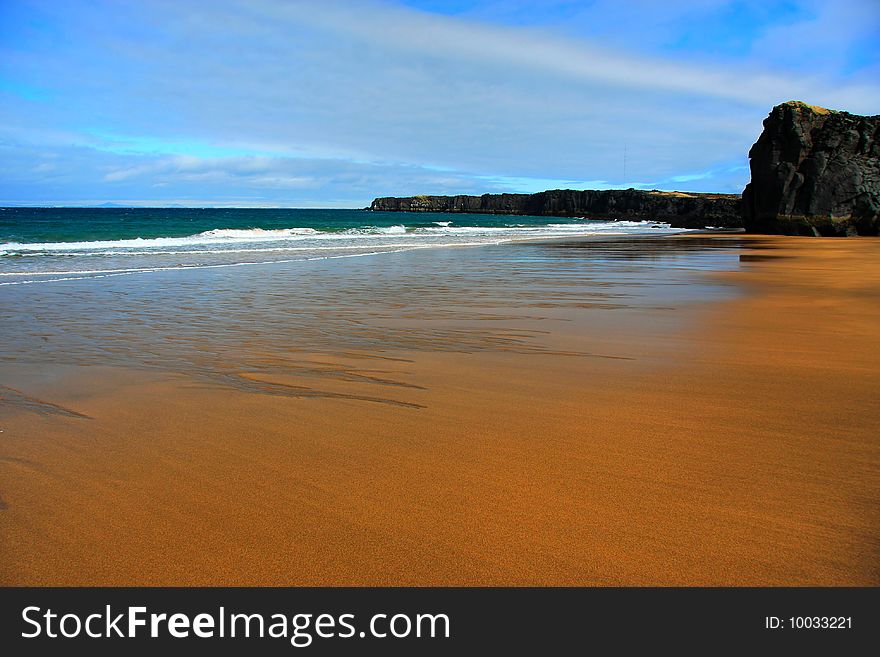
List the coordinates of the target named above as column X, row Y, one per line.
column 681, row 209
column 814, row 172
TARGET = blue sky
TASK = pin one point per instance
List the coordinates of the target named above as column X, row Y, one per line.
column 328, row 104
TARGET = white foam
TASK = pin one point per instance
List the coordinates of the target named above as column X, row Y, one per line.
column 227, row 236
column 157, row 252
column 374, row 230
column 221, row 237
column 255, row 233
column 107, row 273
column 246, row 247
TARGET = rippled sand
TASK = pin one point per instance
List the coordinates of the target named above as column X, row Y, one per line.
column 684, row 410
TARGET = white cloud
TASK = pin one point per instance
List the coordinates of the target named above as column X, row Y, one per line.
column 551, row 54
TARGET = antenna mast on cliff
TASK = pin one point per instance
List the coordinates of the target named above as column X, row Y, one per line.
column 624, row 165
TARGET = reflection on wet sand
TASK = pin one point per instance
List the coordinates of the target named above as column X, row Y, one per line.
column 237, row 328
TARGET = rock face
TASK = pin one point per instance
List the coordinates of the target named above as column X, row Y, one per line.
column 814, row 172
column 678, row 208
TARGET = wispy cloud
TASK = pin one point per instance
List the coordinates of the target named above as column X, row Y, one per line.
column 546, row 53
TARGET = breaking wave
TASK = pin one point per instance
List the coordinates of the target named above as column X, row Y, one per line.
column 23, row 262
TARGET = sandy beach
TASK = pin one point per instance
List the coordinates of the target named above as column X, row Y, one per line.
column 729, row 439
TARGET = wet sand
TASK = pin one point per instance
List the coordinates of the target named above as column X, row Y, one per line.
column 732, row 442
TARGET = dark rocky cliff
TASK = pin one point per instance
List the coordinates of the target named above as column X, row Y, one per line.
column 678, row 208
column 814, row 172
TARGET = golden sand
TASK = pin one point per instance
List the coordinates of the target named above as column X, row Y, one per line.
column 747, row 452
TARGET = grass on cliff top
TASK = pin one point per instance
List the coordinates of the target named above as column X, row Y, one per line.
column 658, row 192
column 678, row 194
column 813, row 108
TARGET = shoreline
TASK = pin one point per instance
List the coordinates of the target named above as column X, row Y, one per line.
column 49, row 248
column 726, row 440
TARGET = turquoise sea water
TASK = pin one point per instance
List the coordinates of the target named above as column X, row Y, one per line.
column 39, row 245
column 33, row 225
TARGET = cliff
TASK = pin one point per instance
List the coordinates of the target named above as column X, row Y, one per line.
column 678, row 208
column 814, row 172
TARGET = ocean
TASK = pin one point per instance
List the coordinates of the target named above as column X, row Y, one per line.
column 44, row 245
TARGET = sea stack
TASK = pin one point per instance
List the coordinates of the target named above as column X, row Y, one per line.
column 814, row 172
